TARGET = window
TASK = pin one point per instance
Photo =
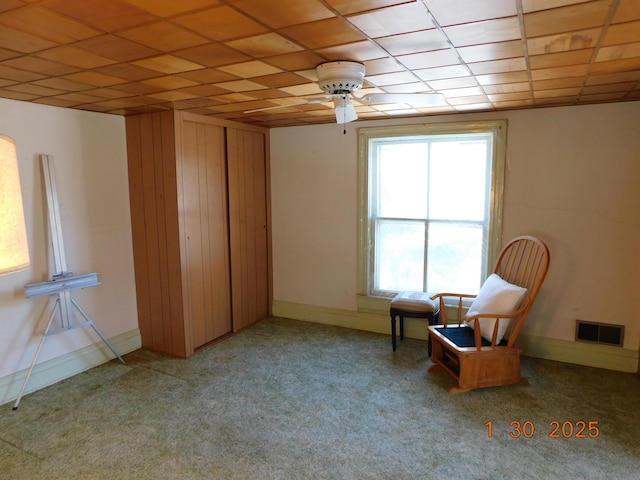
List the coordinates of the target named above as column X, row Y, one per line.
column 430, row 206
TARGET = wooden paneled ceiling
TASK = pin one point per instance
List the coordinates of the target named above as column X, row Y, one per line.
column 223, row 57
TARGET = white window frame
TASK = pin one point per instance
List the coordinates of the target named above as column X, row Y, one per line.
column 368, row 302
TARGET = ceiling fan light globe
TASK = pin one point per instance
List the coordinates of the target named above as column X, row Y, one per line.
column 344, row 110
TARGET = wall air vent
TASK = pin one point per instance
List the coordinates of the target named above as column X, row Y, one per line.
column 600, row 333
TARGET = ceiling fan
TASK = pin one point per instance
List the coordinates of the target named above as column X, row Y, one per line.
column 339, row 79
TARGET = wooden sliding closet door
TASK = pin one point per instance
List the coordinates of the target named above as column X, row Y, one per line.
column 202, row 198
column 248, row 226
column 198, row 189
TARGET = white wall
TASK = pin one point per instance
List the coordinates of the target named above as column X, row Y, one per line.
column 90, row 159
column 573, row 179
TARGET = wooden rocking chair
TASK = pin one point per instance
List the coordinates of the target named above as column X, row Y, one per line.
column 474, row 351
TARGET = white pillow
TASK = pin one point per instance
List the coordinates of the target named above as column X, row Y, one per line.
column 499, row 297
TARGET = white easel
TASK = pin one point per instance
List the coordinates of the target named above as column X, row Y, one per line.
column 63, row 281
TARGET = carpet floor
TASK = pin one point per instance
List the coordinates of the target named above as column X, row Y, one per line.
column 287, row 399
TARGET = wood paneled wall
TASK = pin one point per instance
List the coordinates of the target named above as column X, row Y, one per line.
column 155, row 229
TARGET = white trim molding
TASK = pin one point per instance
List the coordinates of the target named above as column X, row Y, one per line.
column 580, row 353
column 59, row 368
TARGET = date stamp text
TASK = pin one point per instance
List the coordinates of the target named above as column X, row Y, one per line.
column 555, row 429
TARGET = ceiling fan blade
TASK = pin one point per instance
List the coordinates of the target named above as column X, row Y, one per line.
column 311, row 100
column 324, row 98
column 278, row 106
column 413, row 99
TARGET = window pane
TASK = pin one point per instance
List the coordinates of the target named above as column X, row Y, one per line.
column 399, row 259
column 430, row 206
column 402, row 180
column 455, row 258
column 458, row 185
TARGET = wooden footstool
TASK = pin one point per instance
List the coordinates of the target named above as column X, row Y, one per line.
column 414, row 305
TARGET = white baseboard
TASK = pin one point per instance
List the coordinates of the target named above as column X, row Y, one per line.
column 65, row 366
column 581, row 353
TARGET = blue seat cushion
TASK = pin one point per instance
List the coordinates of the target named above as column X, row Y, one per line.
column 463, row 336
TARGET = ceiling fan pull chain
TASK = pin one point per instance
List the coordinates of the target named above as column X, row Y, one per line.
column 344, row 120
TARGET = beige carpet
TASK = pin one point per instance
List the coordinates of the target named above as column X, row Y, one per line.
column 295, row 400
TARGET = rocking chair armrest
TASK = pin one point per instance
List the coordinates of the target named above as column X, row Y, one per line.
column 494, row 316
column 443, row 311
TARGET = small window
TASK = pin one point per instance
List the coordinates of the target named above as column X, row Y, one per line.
column 430, row 206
